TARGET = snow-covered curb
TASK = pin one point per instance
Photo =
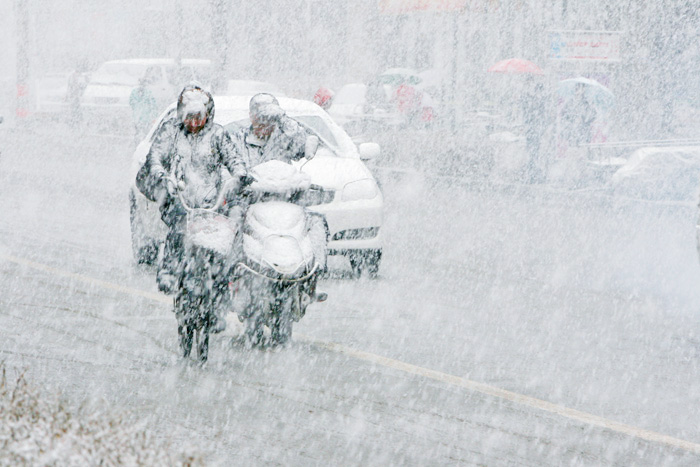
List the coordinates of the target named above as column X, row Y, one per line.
column 40, row 430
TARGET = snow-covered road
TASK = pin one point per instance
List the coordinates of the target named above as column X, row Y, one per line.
column 578, row 299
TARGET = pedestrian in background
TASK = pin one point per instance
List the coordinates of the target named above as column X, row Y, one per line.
column 577, row 118
column 324, row 98
column 534, row 104
column 144, row 107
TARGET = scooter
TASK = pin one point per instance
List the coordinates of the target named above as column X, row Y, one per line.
column 275, row 281
column 209, row 257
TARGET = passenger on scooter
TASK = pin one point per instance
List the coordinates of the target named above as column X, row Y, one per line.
column 273, row 135
column 192, row 149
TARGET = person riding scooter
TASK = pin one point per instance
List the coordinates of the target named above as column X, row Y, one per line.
column 191, row 150
column 273, row 135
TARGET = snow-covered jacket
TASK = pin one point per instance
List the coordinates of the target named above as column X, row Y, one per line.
column 196, row 159
column 286, row 143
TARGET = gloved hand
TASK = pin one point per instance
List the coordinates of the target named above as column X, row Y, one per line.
column 171, row 188
column 168, row 184
column 246, row 180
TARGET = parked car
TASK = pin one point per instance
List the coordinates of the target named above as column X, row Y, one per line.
column 350, row 200
column 106, row 96
column 364, row 110
column 660, row 173
column 666, row 174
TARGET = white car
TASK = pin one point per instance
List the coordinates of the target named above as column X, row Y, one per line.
column 106, row 96
column 350, row 201
column 666, row 174
column 660, row 173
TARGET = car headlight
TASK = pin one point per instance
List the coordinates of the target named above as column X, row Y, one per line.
column 356, row 234
column 365, row 188
column 315, row 196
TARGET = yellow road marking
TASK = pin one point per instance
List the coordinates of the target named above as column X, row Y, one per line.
column 90, row 280
column 475, row 386
column 521, row 399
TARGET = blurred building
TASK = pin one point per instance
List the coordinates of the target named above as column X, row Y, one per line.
column 302, row 44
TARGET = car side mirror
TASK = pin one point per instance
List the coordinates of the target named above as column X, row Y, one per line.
column 310, row 147
column 369, row 151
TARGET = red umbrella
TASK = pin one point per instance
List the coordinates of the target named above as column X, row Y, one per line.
column 516, row 65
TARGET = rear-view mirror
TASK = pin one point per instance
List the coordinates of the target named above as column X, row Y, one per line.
column 369, row 151
column 311, row 147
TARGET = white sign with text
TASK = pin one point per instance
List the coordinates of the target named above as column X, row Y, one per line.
column 584, row 45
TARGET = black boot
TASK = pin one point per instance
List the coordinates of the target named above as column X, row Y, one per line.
column 167, row 282
column 218, row 325
column 167, row 277
column 316, row 295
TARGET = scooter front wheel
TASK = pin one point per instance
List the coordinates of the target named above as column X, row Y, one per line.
column 203, row 344
column 281, row 329
column 185, row 334
column 254, row 329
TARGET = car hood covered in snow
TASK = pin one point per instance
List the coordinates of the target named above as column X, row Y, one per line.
column 333, row 172
column 660, row 173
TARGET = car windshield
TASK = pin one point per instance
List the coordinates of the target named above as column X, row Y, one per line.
column 126, row 74
column 315, row 123
column 178, row 77
column 319, row 126
column 397, row 79
column 236, row 87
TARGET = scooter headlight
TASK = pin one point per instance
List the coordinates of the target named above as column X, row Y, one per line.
column 365, row 188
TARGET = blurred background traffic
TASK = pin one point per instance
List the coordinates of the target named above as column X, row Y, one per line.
column 453, row 75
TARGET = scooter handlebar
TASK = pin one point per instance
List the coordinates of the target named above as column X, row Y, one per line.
column 176, row 189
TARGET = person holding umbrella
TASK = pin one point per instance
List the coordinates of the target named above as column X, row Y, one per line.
column 535, row 119
column 577, row 117
column 584, row 100
column 533, row 104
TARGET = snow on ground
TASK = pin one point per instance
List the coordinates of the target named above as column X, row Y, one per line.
column 579, row 298
column 38, row 429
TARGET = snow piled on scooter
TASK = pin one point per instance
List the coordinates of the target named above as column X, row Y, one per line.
column 213, row 232
column 277, row 236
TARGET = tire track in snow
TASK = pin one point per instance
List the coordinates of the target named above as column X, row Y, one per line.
column 485, row 389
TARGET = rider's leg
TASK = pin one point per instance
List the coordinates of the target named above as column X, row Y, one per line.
column 222, row 302
column 167, row 276
column 319, row 239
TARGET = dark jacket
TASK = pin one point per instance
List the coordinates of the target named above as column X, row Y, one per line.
column 577, row 118
column 534, row 109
